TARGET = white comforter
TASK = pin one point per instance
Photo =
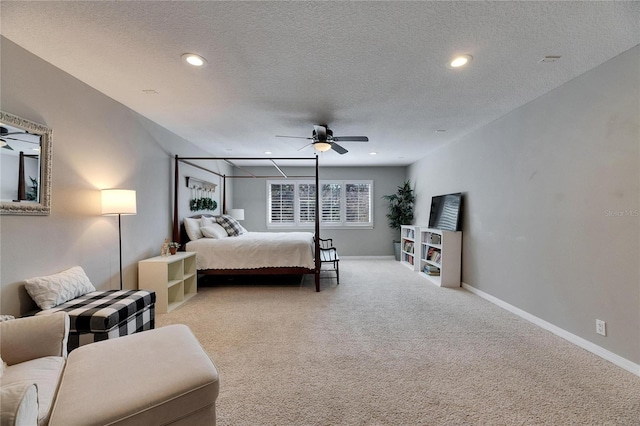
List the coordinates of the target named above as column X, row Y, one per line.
column 255, row 250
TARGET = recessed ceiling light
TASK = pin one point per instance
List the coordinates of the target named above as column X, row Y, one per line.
column 373, row 153
column 193, row 59
column 441, row 130
column 550, row 58
column 459, row 61
column 267, row 152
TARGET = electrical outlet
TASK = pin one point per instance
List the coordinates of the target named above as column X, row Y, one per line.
column 601, row 327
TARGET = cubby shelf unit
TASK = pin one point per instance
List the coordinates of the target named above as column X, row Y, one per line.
column 409, row 246
column 173, row 278
column 441, row 249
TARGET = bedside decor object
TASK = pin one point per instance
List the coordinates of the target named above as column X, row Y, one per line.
column 164, row 251
column 201, row 194
column 173, row 247
column 119, row 202
column 237, row 214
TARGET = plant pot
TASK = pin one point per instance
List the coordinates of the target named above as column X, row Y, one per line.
column 396, row 250
column 173, row 250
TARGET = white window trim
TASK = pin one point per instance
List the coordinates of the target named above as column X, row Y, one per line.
column 297, row 224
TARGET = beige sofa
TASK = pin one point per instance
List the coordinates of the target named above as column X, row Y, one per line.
column 160, row 376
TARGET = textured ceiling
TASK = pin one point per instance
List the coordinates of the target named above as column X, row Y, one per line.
column 365, row 68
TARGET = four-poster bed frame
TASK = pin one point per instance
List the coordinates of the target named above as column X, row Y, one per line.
column 260, row 271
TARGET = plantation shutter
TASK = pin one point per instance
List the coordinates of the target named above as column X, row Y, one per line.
column 358, row 202
column 281, row 203
column 307, row 202
column 330, row 202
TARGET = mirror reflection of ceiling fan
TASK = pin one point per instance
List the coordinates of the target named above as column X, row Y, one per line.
column 7, row 135
column 323, row 140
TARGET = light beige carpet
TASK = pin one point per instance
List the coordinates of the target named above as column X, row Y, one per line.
column 387, row 348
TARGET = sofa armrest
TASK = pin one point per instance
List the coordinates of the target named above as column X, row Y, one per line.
column 29, row 338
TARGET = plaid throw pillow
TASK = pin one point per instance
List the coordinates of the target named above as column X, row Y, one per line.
column 230, row 225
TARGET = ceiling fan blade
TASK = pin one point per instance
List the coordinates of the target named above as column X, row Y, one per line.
column 292, row 137
column 22, row 140
column 5, row 132
column 351, row 138
column 305, row 146
column 337, row 148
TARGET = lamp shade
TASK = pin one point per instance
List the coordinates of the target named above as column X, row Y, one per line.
column 322, row 146
column 118, row 201
column 237, row 214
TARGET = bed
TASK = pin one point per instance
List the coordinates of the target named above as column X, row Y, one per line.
column 254, row 250
column 252, row 253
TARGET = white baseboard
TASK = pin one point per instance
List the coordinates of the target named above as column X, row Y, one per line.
column 576, row 340
column 367, row 257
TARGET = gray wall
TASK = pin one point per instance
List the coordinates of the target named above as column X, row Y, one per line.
column 250, row 194
column 551, row 222
column 97, row 143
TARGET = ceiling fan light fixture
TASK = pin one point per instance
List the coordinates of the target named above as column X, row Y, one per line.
column 193, row 59
column 459, row 61
column 322, row 146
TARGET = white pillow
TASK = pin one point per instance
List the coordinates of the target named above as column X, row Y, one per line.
column 206, row 220
column 52, row 290
column 192, row 226
column 19, row 403
column 214, row 231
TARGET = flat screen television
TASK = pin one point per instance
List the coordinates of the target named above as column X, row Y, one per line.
column 446, row 212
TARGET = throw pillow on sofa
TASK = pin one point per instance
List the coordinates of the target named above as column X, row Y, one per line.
column 51, row 290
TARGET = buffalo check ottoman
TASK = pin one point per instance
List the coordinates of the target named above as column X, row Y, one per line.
column 102, row 315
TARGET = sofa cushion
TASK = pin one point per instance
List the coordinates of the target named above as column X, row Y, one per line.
column 168, row 377
column 19, row 404
column 45, row 373
column 51, row 290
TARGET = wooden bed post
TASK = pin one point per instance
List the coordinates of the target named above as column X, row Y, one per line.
column 317, row 238
column 176, row 224
column 224, row 194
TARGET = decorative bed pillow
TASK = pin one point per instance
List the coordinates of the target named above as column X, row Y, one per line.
column 52, row 290
column 192, row 226
column 214, row 231
column 208, row 220
column 231, row 225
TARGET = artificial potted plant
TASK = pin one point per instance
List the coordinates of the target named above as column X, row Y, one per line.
column 400, row 211
column 173, row 247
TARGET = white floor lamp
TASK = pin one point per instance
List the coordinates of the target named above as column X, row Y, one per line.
column 120, row 202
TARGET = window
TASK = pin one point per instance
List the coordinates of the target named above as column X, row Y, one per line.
column 342, row 204
column 281, row 203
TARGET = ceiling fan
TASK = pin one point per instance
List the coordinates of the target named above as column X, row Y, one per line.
column 323, row 140
column 4, row 133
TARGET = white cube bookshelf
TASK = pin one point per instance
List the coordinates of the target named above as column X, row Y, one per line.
column 442, row 250
column 173, row 278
